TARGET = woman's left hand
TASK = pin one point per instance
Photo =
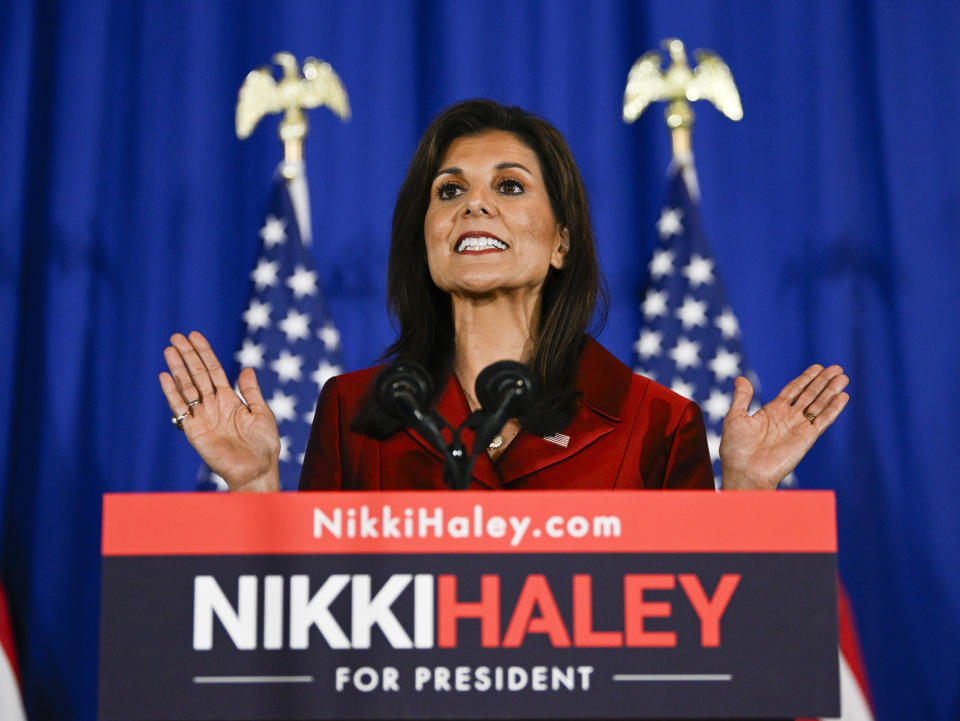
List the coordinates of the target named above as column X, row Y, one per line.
column 759, row 451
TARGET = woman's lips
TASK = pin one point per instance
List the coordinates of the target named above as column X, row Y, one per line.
column 476, row 242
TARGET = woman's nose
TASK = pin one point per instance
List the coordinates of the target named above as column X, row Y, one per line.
column 479, row 203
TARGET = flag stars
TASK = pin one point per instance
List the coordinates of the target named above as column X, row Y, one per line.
column 324, row 372
column 287, row 366
column 303, row 282
column 713, row 443
column 669, row 223
column 274, row 231
column 250, row 355
column 686, row 354
column 283, row 406
column 330, row 336
column 648, row 344
column 717, row 405
column 661, row 264
column 655, row 304
column 265, row 274
column 681, row 387
column 285, row 448
column 308, row 417
column 727, row 323
column 699, row 271
column 692, row 313
column 295, row 325
column 257, row 316
column 725, row 365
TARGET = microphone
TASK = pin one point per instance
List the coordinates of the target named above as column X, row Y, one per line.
column 504, row 389
column 404, row 390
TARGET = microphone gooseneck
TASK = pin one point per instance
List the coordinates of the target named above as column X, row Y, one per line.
column 505, row 390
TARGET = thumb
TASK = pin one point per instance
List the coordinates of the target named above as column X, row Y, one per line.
column 742, row 395
column 250, row 389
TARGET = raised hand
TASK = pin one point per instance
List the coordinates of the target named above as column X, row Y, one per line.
column 239, row 441
column 759, row 451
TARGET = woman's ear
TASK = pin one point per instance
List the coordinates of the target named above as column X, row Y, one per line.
column 563, row 245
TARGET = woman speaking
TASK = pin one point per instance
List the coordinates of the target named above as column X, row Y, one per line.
column 492, row 258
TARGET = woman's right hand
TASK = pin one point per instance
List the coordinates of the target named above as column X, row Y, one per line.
column 238, row 441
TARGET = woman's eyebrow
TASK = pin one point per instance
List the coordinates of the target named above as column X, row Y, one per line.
column 504, row 166
column 448, row 171
column 453, row 170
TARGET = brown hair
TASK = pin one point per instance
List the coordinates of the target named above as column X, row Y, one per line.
column 424, row 312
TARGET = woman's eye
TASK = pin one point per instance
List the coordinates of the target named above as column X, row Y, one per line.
column 511, row 187
column 447, row 191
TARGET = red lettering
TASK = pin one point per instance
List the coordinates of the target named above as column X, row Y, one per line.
column 449, row 611
column 583, row 633
column 635, row 609
column 709, row 610
column 536, row 592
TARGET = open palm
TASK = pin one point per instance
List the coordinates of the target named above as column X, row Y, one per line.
column 237, row 440
column 758, row 451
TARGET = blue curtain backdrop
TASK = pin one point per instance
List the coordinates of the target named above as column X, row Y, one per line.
column 128, row 210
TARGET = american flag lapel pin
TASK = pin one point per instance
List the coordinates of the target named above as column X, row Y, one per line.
column 560, row 439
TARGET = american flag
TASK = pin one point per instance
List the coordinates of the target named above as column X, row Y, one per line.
column 689, row 338
column 690, row 341
column 289, row 336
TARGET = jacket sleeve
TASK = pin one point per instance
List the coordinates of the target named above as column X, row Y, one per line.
column 322, row 468
column 688, row 458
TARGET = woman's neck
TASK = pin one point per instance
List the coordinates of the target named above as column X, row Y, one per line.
column 488, row 330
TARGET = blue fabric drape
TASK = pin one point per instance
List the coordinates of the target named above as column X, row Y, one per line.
column 128, row 210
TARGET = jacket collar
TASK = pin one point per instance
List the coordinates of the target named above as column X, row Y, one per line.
column 603, row 382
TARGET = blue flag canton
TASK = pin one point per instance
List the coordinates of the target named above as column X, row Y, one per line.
column 289, row 336
column 689, row 339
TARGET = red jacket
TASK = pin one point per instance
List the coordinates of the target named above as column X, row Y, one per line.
column 628, row 432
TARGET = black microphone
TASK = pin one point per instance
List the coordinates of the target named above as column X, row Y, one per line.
column 504, row 389
column 404, row 390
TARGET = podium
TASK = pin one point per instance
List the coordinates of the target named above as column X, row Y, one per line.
column 469, row 605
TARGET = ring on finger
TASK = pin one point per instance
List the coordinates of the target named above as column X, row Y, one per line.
column 191, row 404
column 178, row 420
column 810, row 416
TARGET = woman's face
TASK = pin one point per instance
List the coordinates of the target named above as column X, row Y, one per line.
column 489, row 227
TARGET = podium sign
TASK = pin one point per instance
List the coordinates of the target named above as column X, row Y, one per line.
column 472, row 605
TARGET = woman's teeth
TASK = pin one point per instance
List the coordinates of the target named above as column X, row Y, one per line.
column 480, row 244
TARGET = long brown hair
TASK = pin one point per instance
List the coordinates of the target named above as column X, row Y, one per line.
column 424, row 312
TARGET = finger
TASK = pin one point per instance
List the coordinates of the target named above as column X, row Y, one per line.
column 181, row 376
column 196, row 368
column 250, row 389
column 794, row 388
column 825, row 419
column 816, row 386
column 178, row 406
column 742, row 395
column 210, row 360
column 832, row 389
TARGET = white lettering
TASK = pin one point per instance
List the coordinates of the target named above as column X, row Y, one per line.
column 368, row 612
column 333, row 525
column 306, row 612
column 240, row 624
column 520, row 526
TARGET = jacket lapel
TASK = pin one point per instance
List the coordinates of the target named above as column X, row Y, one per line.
column 603, row 382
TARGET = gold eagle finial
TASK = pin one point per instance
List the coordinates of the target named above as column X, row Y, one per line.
column 261, row 95
column 680, row 85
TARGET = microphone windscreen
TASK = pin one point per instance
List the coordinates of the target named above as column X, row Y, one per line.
column 503, row 377
column 403, row 378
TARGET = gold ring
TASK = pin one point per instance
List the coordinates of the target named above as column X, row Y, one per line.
column 810, row 417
